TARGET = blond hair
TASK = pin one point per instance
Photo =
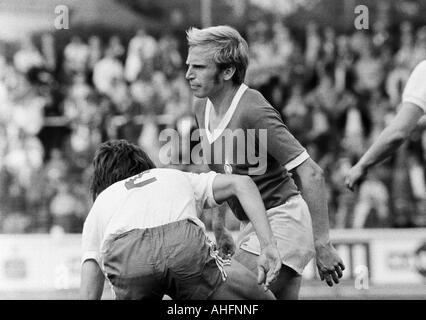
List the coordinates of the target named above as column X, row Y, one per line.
column 227, row 45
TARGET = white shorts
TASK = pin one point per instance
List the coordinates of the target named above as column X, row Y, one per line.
column 292, row 227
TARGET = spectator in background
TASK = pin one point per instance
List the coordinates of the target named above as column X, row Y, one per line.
column 5, row 108
column 369, row 70
column 48, row 51
column 261, row 46
column 379, row 108
column 3, row 65
column 354, row 133
column 107, row 72
column 143, row 92
column 345, row 59
column 116, row 47
column 80, row 142
column 329, row 45
column 372, row 203
column 63, row 208
column 296, row 113
column 79, row 90
column 324, row 95
column 16, row 223
column 28, row 109
column 342, row 203
column 394, row 84
column 95, row 54
column 119, row 95
column 25, row 155
column 380, row 37
column 22, row 159
column 76, row 54
column 404, row 204
column 176, row 105
column 169, row 59
column 27, row 57
column 140, row 54
column 405, row 55
column 283, row 45
column 56, row 168
column 417, row 177
column 313, row 45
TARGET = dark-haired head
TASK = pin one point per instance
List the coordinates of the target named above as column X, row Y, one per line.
column 116, row 160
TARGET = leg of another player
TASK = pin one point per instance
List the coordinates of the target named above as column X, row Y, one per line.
column 287, row 285
column 241, row 284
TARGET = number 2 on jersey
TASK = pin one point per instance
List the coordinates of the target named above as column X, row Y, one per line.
column 130, row 184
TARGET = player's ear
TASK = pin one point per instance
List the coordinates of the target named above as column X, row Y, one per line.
column 228, row 73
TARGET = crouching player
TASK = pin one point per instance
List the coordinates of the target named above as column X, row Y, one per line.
column 143, row 232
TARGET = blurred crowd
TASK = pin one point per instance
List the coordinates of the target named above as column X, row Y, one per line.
column 335, row 92
column 56, row 108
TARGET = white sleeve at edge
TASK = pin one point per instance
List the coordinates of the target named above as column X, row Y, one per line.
column 297, row 161
column 415, row 88
column 91, row 255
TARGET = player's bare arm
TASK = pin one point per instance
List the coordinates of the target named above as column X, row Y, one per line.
column 310, row 179
column 92, row 281
column 387, row 143
column 243, row 187
column 224, row 239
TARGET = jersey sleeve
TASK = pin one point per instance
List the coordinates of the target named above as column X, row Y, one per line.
column 91, row 238
column 415, row 89
column 202, row 184
column 280, row 144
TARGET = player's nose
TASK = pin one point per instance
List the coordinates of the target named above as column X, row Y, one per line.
column 189, row 74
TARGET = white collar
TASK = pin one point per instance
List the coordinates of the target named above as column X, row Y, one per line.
column 228, row 115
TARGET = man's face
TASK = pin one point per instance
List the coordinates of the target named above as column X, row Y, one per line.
column 203, row 75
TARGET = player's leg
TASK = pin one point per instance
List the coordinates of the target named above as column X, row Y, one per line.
column 196, row 272
column 292, row 227
column 241, row 284
column 287, row 284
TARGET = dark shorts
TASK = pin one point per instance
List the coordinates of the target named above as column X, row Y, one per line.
column 175, row 259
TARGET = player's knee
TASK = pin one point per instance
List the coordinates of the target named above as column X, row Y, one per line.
column 247, row 259
column 243, row 283
column 287, row 285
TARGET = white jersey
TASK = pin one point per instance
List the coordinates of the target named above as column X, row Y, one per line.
column 150, row 199
column 415, row 89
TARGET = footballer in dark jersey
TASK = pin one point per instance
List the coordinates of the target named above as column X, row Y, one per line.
column 225, row 108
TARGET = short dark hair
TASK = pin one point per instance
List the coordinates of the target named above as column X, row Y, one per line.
column 116, row 160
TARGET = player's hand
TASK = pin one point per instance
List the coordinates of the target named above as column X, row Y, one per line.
column 225, row 243
column 268, row 265
column 330, row 265
column 354, row 177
